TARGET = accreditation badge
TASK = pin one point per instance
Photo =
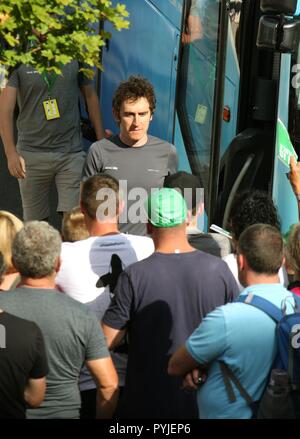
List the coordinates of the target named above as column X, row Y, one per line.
column 201, row 114
column 51, row 109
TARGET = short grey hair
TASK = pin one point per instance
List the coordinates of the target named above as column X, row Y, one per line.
column 35, row 249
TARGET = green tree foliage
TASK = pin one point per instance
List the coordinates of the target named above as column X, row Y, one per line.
column 50, row 33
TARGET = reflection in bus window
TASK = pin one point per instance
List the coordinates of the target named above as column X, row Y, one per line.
column 197, row 83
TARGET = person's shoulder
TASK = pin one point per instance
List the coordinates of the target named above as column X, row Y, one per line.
column 230, row 259
column 76, row 251
column 139, row 240
column 209, row 258
column 78, row 245
column 211, row 265
column 68, row 306
column 210, row 243
column 156, row 141
column 142, row 266
column 26, row 325
column 107, row 143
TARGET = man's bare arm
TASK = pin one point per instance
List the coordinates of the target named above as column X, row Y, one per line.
column 181, row 362
column 15, row 162
column 106, row 379
column 295, row 179
column 35, row 391
column 113, row 336
column 93, row 107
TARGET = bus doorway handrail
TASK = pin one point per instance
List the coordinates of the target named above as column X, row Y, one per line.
column 235, row 188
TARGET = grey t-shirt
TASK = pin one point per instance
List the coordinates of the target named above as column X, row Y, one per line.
column 35, row 132
column 212, row 243
column 144, row 167
column 72, row 335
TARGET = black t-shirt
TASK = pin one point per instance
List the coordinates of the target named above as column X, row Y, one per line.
column 161, row 301
column 22, row 356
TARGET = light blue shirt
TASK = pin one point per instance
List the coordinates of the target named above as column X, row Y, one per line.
column 244, row 338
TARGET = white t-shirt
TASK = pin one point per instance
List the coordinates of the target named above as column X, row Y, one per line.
column 84, row 262
column 232, row 264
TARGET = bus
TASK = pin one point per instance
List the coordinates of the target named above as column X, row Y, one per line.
column 226, row 76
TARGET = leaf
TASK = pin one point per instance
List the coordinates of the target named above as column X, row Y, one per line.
column 64, row 30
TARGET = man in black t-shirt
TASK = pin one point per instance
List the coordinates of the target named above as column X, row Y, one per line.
column 23, row 366
column 23, row 363
column 160, row 301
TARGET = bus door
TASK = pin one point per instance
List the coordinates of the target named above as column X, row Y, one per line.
column 248, row 161
column 288, row 114
column 207, row 90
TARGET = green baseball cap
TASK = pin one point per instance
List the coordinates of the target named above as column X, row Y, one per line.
column 166, row 208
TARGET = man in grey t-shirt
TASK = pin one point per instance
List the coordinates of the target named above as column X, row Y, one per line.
column 49, row 145
column 72, row 333
column 140, row 162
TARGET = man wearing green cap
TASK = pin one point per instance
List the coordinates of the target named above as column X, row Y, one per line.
column 160, row 301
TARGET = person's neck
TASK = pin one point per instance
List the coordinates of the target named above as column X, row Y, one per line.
column 172, row 246
column 96, row 228
column 44, row 282
column 133, row 144
column 8, row 281
column 256, row 279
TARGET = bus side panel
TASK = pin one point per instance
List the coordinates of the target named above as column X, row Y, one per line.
column 282, row 192
column 149, row 48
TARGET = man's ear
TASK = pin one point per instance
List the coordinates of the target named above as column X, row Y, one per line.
column 149, row 228
column 116, row 116
column 82, row 209
column 57, row 264
column 241, row 261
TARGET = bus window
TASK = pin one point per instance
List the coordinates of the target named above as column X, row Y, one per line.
column 196, row 85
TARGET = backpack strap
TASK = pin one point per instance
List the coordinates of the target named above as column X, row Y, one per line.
column 297, row 301
column 262, row 304
column 229, row 376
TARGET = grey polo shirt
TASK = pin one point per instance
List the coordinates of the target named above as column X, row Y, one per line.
column 35, row 132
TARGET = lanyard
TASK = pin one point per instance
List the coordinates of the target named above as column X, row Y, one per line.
column 49, row 79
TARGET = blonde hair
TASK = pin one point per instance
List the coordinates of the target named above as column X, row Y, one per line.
column 293, row 250
column 73, row 226
column 9, row 226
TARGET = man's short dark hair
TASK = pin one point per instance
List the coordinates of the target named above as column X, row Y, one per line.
column 134, row 88
column 262, row 246
column 90, row 198
column 251, row 207
column 183, row 180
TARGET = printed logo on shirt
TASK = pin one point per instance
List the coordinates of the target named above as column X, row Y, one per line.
column 153, row 170
column 112, row 276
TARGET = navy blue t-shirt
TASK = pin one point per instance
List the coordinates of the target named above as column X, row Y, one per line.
column 161, row 301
